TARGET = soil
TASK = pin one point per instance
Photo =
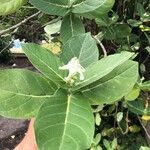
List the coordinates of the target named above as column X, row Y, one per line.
column 11, row 132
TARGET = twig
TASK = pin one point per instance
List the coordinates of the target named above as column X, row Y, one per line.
column 19, row 24
column 101, row 45
column 144, row 128
column 5, row 48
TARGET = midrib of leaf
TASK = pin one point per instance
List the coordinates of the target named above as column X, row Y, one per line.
column 29, row 95
column 58, row 5
column 87, row 4
column 47, row 66
column 71, row 25
column 66, row 120
column 79, row 3
column 107, row 80
column 82, row 48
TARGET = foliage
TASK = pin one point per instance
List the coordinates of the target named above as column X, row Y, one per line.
column 95, row 98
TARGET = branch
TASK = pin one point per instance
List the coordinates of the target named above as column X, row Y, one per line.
column 101, row 45
column 19, row 24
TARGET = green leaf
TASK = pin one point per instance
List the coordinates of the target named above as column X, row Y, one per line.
column 144, row 148
column 64, row 123
column 107, row 144
column 133, row 94
column 101, row 68
column 22, row 92
column 88, row 6
column 134, row 23
column 145, row 86
column 102, row 9
column 71, row 26
column 45, row 61
column 97, row 139
column 117, row 31
column 119, row 116
column 114, row 85
column 53, row 28
column 10, row 6
column 138, row 107
column 52, row 7
column 97, row 119
column 83, row 47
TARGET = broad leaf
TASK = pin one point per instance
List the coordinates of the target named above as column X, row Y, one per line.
column 101, row 68
column 53, row 27
column 102, row 9
column 113, row 86
column 45, row 61
column 52, row 7
column 64, row 123
column 71, row 26
column 117, row 31
column 139, row 107
column 145, row 86
column 87, row 6
column 10, row 6
column 83, row 47
column 22, row 92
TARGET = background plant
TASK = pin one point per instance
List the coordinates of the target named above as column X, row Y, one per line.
column 114, row 32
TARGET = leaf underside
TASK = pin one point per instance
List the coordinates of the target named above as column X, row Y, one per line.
column 113, row 86
column 83, row 47
column 22, row 92
column 64, row 123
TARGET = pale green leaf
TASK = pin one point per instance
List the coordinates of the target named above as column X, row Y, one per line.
column 97, row 119
column 144, row 148
column 53, row 28
column 52, row 7
column 71, row 26
column 119, row 116
column 133, row 94
column 83, row 47
column 97, row 139
column 145, row 86
column 22, row 92
column 87, row 6
column 99, row 69
column 45, row 61
column 113, row 86
column 10, row 6
column 64, row 123
column 102, row 9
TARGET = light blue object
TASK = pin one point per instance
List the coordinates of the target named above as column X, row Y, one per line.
column 17, row 44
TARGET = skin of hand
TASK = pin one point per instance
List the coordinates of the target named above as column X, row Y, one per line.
column 29, row 142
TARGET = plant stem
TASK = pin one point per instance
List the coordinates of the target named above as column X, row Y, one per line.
column 19, row 24
column 101, row 45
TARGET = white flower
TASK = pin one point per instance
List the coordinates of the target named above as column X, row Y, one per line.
column 74, row 68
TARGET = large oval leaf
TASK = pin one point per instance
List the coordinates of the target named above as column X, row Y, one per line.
column 88, row 6
column 83, row 47
column 104, row 8
column 22, row 92
column 52, row 7
column 10, row 6
column 64, row 123
column 99, row 69
column 71, row 26
column 113, row 86
column 45, row 61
